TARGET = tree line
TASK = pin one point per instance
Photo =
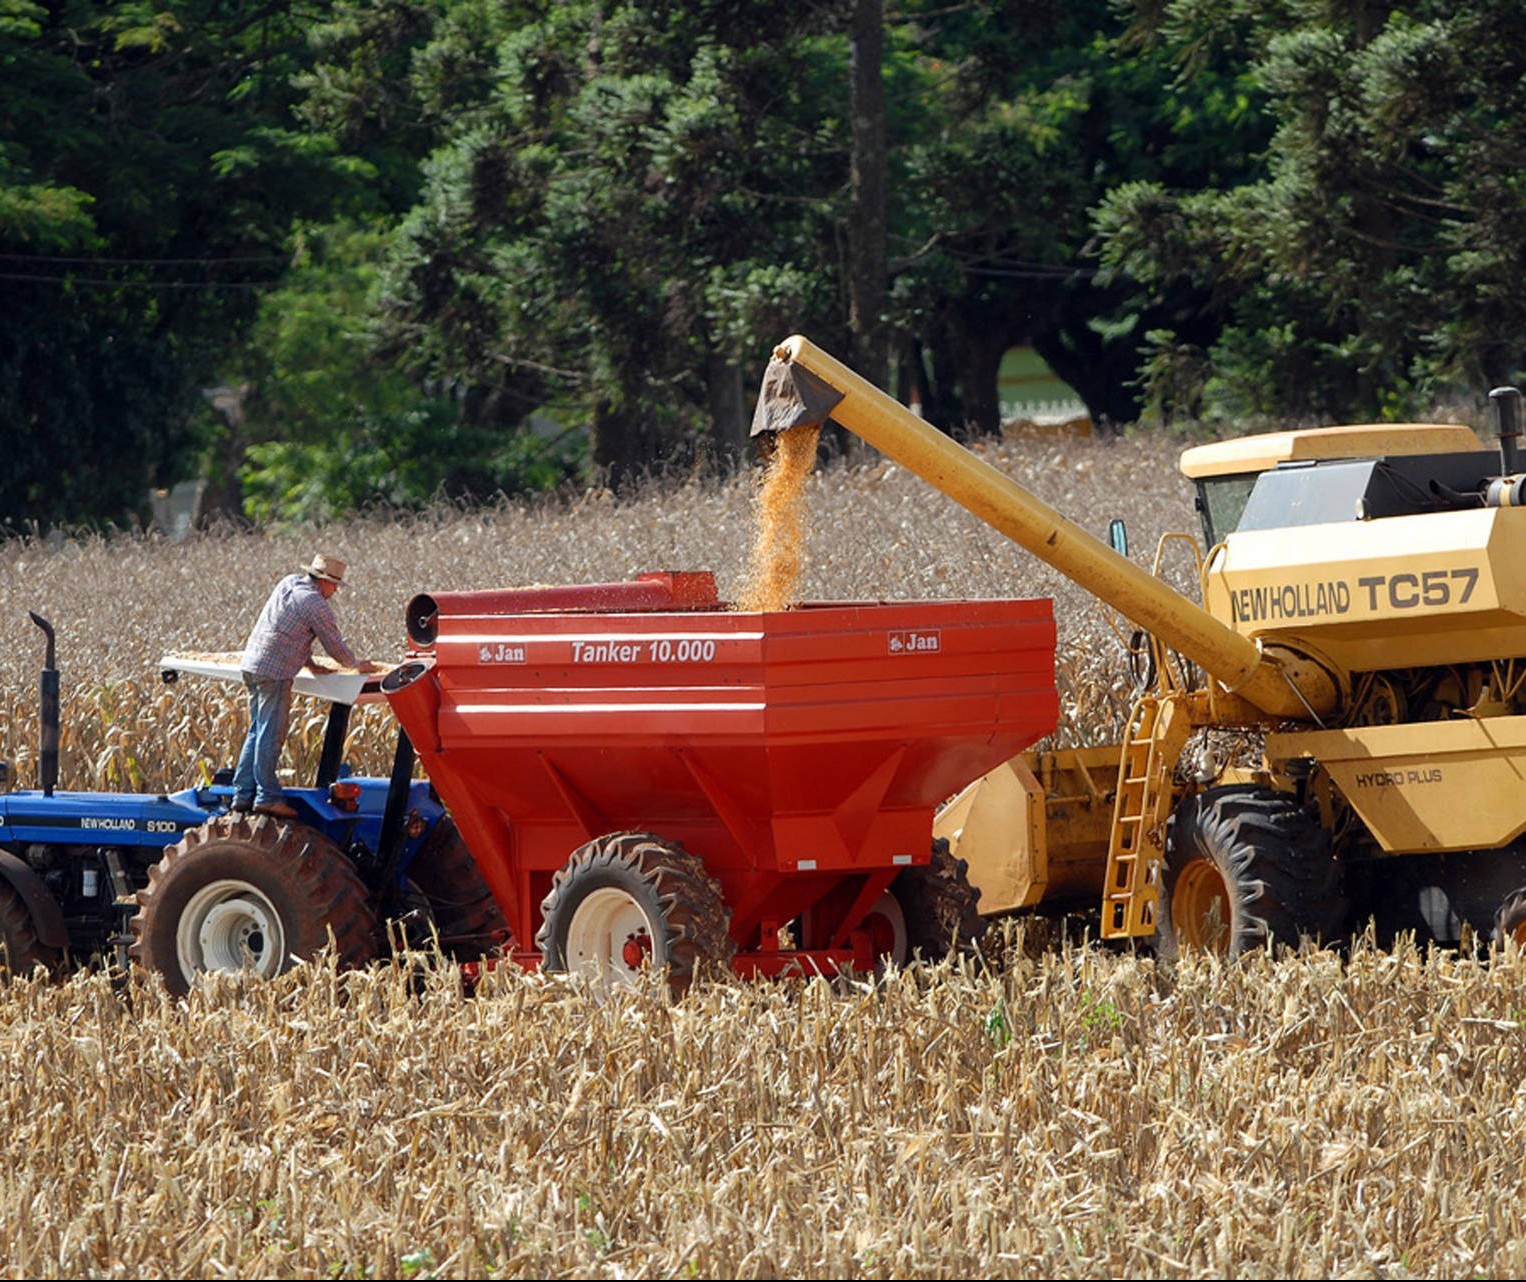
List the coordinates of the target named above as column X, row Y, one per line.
column 336, row 254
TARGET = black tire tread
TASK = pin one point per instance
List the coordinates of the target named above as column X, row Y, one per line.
column 325, row 885
column 1509, row 916
column 941, row 907
column 469, row 921
column 21, row 952
column 696, row 920
column 1273, row 854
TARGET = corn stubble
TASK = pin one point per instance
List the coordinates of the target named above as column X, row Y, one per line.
column 1075, row 1114
column 1063, row 1111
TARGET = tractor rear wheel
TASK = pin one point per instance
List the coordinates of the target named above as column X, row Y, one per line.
column 248, row 893
column 1510, row 919
column 940, row 906
column 467, row 918
column 20, row 951
column 1245, row 868
column 632, row 901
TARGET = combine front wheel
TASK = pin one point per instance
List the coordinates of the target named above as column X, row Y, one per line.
column 1245, row 868
column 250, row 894
column 631, row 901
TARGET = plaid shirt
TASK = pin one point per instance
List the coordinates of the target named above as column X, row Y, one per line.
column 282, row 641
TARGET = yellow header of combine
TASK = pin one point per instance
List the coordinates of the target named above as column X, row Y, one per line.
column 1349, row 440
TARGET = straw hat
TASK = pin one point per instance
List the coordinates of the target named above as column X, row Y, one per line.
column 326, row 567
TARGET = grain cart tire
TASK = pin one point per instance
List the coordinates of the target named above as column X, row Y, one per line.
column 1245, row 868
column 632, row 900
column 467, row 918
column 1510, row 919
column 21, row 952
column 250, row 893
column 886, row 924
column 940, row 906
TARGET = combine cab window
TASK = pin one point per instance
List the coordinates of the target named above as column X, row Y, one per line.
column 1221, row 501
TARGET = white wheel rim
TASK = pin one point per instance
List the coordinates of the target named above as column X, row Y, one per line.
column 230, row 926
column 888, row 907
column 602, row 925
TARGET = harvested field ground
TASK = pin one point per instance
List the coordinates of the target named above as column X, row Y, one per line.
column 1055, row 1111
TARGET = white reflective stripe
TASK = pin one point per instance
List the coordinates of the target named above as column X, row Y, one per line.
column 477, row 638
column 806, row 865
column 525, row 709
column 900, row 859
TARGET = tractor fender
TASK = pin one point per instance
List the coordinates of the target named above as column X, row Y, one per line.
column 47, row 916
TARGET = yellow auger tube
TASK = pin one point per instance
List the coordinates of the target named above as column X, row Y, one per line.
column 1284, row 685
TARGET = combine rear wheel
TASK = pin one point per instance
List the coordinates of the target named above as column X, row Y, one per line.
column 632, row 901
column 246, row 893
column 20, row 951
column 1245, row 868
column 1510, row 919
column 467, row 918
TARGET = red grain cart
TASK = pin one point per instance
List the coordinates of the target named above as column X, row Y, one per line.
column 646, row 776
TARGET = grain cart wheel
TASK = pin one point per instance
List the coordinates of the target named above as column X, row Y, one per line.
column 1510, row 919
column 632, row 900
column 466, row 916
column 1245, row 867
column 20, row 951
column 940, row 906
column 886, row 924
column 246, row 892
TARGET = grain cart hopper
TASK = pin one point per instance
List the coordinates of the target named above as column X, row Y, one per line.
column 1364, row 621
column 647, row 777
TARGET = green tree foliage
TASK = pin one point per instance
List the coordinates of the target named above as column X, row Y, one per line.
column 1376, row 263
column 148, row 171
column 1015, row 119
column 623, row 198
column 332, row 430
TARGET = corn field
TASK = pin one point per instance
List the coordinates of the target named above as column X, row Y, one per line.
column 1050, row 1108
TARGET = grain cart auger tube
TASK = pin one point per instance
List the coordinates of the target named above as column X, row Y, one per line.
column 1363, row 617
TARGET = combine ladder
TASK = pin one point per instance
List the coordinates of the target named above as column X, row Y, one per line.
column 1157, row 733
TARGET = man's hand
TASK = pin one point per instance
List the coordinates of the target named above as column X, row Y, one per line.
column 370, row 665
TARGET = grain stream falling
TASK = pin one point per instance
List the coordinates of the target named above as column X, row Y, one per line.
column 778, row 550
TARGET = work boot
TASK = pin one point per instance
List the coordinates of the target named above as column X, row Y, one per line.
column 277, row 808
column 242, row 805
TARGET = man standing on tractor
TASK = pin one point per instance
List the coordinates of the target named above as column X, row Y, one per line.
column 297, row 614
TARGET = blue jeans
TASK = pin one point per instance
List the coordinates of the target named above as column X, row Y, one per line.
column 269, row 710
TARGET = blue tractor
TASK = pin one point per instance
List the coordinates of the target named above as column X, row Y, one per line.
column 182, row 885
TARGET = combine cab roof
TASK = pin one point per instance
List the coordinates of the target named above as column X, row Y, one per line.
column 1355, row 440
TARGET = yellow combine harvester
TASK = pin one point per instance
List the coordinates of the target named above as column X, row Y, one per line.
column 1363, row 622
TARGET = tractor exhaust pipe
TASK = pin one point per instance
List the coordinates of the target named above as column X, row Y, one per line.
column 1507, row 403
column 803, row 386
column 48, row 710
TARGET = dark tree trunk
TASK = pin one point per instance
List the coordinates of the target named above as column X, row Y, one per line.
column 980, row 356
column 623, row 446
column 1099, row 373
column 728, row 410
column 866, row 232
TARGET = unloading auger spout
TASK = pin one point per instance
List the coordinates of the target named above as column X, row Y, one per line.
column 804, row 386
